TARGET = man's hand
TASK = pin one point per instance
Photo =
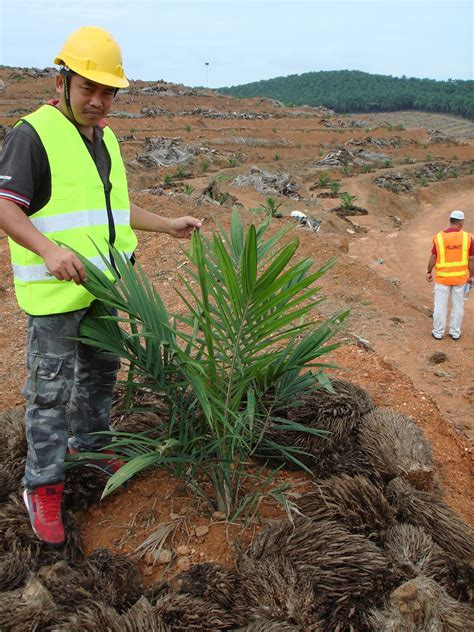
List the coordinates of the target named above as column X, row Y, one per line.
column 64, row 265
column 183, row 227
column 429, row 276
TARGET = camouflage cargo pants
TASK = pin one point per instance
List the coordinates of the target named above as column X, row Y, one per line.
column 68, row 392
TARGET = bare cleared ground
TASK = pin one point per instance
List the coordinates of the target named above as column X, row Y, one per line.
column 381, row 256
column 453, row 126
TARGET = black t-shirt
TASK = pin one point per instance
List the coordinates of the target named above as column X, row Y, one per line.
column 25, row 175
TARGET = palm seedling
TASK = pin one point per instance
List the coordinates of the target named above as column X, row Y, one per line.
column 324, row 180
column 347, row 201
column 335, row 186
column 271, row 206
column 227, row 369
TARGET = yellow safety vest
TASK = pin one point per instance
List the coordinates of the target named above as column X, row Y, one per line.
column 452, row 257
column 81, row 214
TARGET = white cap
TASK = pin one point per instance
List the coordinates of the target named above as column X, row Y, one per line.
column 457, row 215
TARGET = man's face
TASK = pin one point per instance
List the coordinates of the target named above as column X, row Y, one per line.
column 90, row 101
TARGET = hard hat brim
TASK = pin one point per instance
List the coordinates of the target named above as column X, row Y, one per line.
column 104, row 78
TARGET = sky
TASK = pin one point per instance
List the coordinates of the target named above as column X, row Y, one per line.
column 218, row 43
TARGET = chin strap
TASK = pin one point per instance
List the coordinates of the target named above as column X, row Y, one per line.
column 66, row 72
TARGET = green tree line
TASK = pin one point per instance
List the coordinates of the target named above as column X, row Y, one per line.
column 355, row 91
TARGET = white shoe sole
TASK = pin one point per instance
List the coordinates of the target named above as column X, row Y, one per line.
column 26, row 500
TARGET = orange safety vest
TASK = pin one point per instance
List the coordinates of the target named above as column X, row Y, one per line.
column 452, row 257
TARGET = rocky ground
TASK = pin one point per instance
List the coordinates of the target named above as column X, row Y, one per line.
column 179, row 143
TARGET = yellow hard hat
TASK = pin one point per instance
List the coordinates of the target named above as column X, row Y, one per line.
column 94, row 54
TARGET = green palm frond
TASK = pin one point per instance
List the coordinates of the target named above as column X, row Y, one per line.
column 244, row 340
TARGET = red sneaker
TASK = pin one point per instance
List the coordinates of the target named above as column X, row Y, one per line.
column 44, row 509
column 112, row 465
column 108, row 466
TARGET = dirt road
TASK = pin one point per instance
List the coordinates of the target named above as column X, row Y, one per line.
column 404, row 254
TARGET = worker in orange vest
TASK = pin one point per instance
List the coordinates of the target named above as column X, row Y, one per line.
column 452, row 259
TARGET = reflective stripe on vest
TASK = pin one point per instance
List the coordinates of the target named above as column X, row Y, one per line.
column 56, row 223
column 453, row 270
column 40, row 272
column 80, row 214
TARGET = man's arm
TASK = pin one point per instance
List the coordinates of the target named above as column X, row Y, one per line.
column 61, row 263
column 176, row 227
column 471, row 270
column 430, row 266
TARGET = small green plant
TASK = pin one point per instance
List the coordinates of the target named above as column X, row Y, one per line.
column 335, row 186
column 205, row 164
column 455, row 172
column 187, row 128
column 400, row 127
column 188, row 189
column 271, row 207
column 387, row 164
column 429, row 157
column 471, row 170
column 232, row 161
column 347, row 201
column 423, row 181
column 180, row 172
column 454, row 157
column 223, row 197
column 407, row 160
column 274, row 130
column 224, row 177
column 440, row 175
column 226, row 368
column 276, row 157
column 366, row 169
column 298, row 145
column 323, row 180
column 168, row 178
column 133, row 130
column 346, row 171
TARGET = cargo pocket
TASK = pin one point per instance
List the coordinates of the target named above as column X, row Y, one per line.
column 45, row 385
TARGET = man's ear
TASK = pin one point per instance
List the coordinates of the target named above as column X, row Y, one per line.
column 59, row 84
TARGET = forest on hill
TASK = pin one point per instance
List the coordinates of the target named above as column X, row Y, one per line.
column 355, row 91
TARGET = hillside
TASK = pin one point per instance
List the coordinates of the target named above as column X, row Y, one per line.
column 152, row 556
column 356, row 91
